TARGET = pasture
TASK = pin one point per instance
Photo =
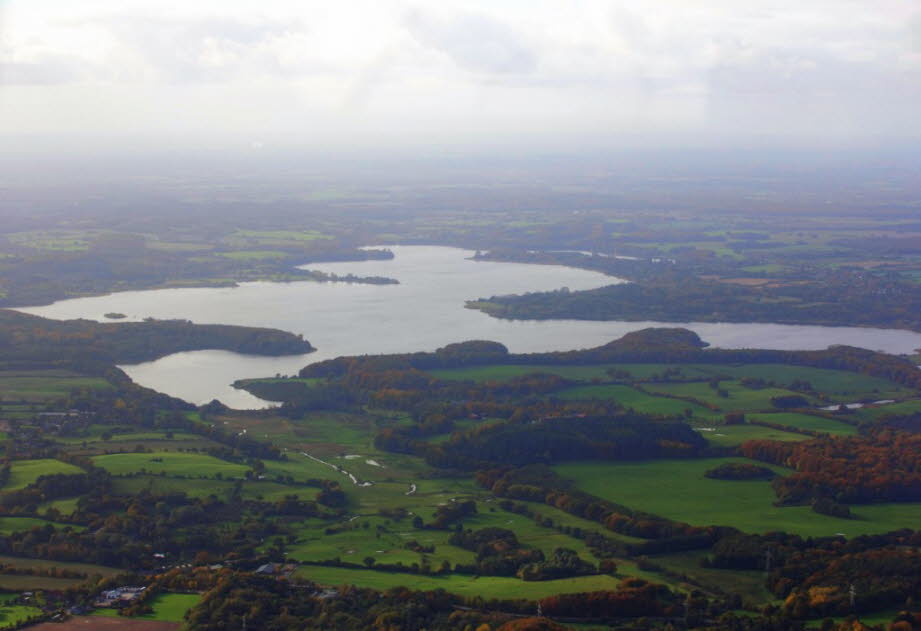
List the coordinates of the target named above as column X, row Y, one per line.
column 677, row 489
column 9, row 525
column 25, row 472
column 253, row 255
column 171, row 607
column 747, row 583
column 88, row 569
column 878, row 412
column 632, row 398
column 732, row 435
column 12, row 615
column 171, row 464
column 738, row 397
column 484, row 586
column 806, row 421
column 838, row 385
column 42, row 386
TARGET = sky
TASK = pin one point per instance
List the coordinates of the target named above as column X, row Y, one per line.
column 373, row 73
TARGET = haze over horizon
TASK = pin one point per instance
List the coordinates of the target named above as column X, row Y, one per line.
column 474, row 76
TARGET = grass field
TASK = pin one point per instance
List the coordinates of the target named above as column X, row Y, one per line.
column 872, row 414
column 41, row 386
column 194, row 487
column 9, row 525
column 170, row 463
column 484, row 586
column 25, row 582
column 501, row 372
column 25, row 472
column 12, row 615
column 253, row 255
column 281, row 235
column 56, row 240
column 171, row 607
column 387, row 545
column 633, row 398
column 747, row 583
column 805, row 421
column 739, row 397
column 677, row 489
column 86, row 568
column 840, row 385
column 65, row 506
column 731, row 435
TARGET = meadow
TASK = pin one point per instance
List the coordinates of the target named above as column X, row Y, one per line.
column 730, row 396
column 733, row 435
column 9, row 525
column 483, row 586
column 677, row 489
column 25, row 472
column 12, row 615
column 171, row 464
column 806, row 421
column 171, row 607
column 630, row 397
column 41, row 386
column 840, row 385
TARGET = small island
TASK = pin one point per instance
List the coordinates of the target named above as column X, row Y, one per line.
column 114, row 315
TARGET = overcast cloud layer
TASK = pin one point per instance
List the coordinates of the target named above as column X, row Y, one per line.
column 359, row 71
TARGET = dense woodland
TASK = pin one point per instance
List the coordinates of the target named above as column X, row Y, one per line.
column 27, row 337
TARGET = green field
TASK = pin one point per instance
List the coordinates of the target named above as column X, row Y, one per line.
column 40, row 564
column 806, row 421
column 501, row 372
column 633, row 398
column 9, row 525
column 12, row 615
column 171, row 607
column 739, row 398
column 27, row 582
column 195, row 487
column 170, row 463
column 839, row 385
column 253, row 255
column 281, row 235
column 25, row 472
column 42, row 386
column 875, row 413
column 483, row 586
column 731, row 435
column 677, row 489
column 750, row 584
column 55, row 240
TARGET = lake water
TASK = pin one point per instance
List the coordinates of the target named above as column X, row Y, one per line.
column 425, row 311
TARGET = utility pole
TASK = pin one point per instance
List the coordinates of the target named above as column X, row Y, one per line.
column 852, row 592
column 540, row 611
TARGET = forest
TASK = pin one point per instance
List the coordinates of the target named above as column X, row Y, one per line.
column 653, row 482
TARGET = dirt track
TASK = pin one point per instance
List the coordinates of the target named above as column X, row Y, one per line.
column 101, row 623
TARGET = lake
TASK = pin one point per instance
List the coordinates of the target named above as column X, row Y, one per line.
column 425, row 311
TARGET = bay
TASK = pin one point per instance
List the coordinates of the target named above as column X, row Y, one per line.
column 425, row 311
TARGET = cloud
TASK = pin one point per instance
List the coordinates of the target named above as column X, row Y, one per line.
column 914, row 30
column 206, row 49
column 463, row 66
column 49, row 69
column 475, row 42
